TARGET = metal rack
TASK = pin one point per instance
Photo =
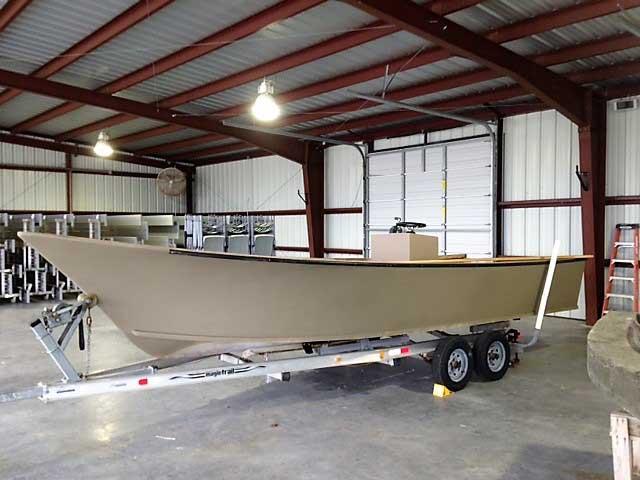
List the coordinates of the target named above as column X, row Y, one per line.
column 244, row 234
column 25, row 274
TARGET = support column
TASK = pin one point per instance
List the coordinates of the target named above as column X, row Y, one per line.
column 499, row 187
column 189, row 192
column 593, row 151
column 68, row 165
column 313, row 175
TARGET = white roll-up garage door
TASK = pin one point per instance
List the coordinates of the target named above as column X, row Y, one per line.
column 448, row 186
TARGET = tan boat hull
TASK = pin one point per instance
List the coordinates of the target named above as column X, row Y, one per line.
column 167, row 301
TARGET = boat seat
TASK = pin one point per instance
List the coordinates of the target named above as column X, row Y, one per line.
column 238, row 244
column 264, row 245
column 213, row 243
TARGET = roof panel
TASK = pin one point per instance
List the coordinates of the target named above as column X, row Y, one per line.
column 624, row 56
column 159, row 140
column 176, row 26
column 23, row 107
column 46, row 29
column 369, row 110
column 371, row 53
column 313, row 26
column 583, row 32
column 122, row 129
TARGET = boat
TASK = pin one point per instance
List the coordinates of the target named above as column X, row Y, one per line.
column 170, row 300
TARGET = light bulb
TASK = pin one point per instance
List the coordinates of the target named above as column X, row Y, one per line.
column 102, row 147
column 265, row 108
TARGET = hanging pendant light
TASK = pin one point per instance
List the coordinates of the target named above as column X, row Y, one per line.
column 265, row 107
column 102, row 147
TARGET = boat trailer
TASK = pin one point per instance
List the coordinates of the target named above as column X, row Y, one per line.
column 489, row 350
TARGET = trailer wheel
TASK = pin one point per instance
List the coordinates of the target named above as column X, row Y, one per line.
column 491, row 353
column 453, row 363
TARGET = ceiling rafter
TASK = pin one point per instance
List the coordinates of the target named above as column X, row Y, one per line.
column 431, row 125
column 123, row 22
column 465, row 101
column 556, row 57
column 288, row 148
column 501, row 94
column 555, row 90
column 11, row 10
column 78, row 149
column 367, row 33
column 241, row 29
column 541, row 23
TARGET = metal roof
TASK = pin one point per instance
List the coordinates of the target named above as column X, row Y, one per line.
column 45, row 29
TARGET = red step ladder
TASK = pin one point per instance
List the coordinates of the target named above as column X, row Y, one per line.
column 616, row 261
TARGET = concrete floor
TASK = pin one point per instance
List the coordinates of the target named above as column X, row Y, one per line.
column 544, row 420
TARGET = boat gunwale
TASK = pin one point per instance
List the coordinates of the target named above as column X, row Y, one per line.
column 333, row 262
column 445, row 263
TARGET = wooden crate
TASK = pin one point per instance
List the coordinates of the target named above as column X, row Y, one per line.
column 625, row 445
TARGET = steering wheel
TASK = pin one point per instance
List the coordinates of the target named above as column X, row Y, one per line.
column 406, row 227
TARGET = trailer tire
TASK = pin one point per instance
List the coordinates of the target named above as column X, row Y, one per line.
column 453, row 363
column 491, row 355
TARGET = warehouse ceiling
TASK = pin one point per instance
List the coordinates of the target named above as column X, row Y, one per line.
column 204, row 60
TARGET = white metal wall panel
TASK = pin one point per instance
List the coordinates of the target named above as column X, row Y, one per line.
column 26, row 190
column 276, row 182
column 272, row 183
column 344, row 182
column 102, row 193
column 541, row 153
column 30, row 156
column 267, row 183
column 540, row 156
column 623, row 152
column 344, row 231
column 343, row 177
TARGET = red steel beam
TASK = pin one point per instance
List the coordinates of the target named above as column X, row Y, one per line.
column 443, row 124
column 236, row 157
column 397, row 131
column 313, row 178
column 622, row 91
column 593, row 152
column 598, row 47
column 283, row 213
column 541, row 203
column 553, row 89
column 285, row 147
column 566, row 202
column 127, row 19
column 11, row 10
column 511, row 32
column 284, row 9
column 369, row 32
column 75, row 149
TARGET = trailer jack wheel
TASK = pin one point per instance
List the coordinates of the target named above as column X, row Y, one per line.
column 492, row 354
column 453, row 363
